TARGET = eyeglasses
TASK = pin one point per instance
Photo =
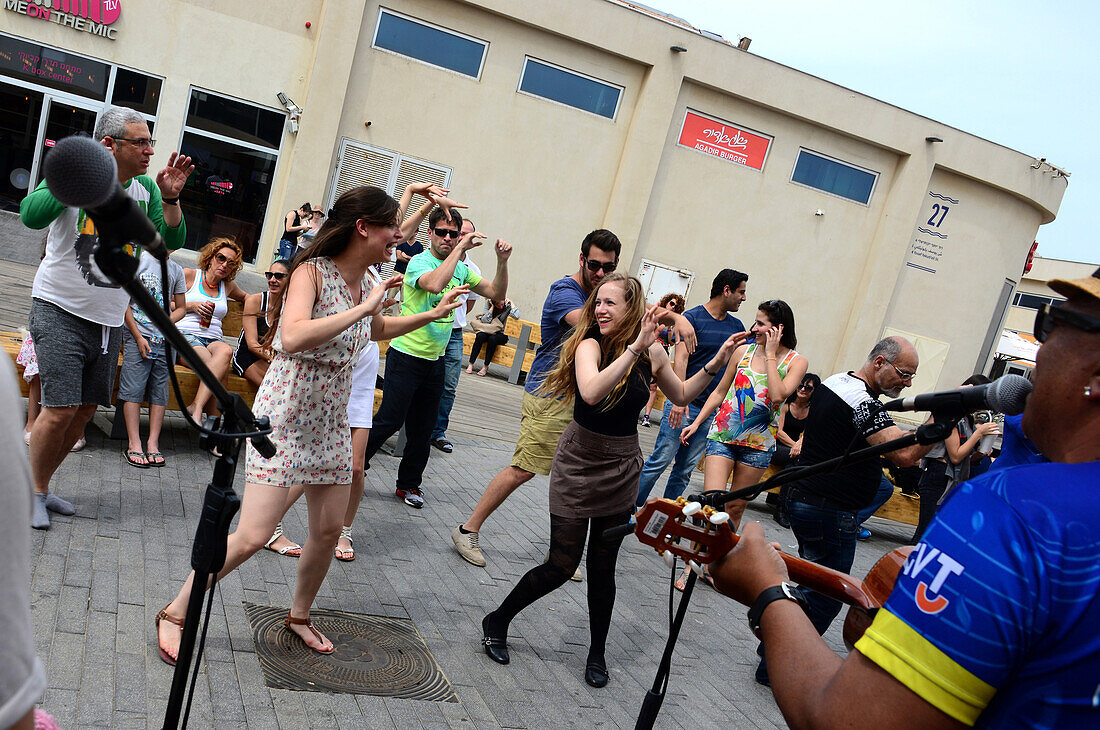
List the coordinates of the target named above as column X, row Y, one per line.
column 595, row 266
column 221, row 258
column 446, row 233
column 1049, row 315
column 139, row 142
column 903, row 374
column 276, row 275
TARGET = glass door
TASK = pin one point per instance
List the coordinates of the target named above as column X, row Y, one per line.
column 20, row 116
column 62, row 119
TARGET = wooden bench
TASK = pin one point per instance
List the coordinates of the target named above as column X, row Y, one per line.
column 519, row 352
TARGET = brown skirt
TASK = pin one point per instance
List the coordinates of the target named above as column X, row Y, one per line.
column 594, row 475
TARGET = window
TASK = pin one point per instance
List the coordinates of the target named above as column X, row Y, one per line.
column 137, row 91
column 1033, row 301
column 834, row 177
column 234, row 147
column 570, row 88
column 429, row 43
column 53, row 68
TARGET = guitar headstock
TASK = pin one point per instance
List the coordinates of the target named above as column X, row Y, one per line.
column 672, row 527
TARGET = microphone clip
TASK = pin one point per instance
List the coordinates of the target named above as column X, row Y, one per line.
column 937, row 430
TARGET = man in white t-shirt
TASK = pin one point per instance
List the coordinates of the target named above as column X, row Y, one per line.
column 452, row 357
column 77, row 311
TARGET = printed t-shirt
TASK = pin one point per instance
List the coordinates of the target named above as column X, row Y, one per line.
column 710, row 333
column 430, row 341
column 994, row 617
column 565, row 296
column 148, row 273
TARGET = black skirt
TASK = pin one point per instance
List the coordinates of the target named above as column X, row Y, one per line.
column 594, row 475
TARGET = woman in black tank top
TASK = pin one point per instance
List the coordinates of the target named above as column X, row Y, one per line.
column 250, row 360
column 605, row 367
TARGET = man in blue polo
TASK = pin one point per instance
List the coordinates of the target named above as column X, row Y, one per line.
column 713, row 323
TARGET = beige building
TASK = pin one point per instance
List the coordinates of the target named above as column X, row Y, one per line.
column 551, row 119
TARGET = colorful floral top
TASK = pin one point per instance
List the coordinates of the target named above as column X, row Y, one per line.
column 747, row 416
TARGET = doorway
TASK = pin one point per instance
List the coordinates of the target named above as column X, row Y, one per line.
column 61, row 119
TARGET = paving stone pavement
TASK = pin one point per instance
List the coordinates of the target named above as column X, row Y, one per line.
column 100, row 577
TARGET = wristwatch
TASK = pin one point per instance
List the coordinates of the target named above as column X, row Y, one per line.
column 787, row 591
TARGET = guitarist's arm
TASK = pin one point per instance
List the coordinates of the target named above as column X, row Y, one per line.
column 814, row 687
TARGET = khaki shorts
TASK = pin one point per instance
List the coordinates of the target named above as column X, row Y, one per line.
column 540, row 429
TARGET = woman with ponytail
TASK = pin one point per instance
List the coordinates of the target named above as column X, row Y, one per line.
column 608, row 363
column 319, row 323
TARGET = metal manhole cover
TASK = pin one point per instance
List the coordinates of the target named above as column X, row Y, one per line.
column 375, row 655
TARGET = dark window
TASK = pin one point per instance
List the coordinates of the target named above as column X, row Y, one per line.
column 834, row 177
column 429, row 44
column 53, row 68
column 248, row 123
column 567, row 87
column 20, row 114
column 1033, row 301
column 227, row 193
column 137, row 91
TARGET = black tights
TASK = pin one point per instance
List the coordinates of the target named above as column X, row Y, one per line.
column 567, row 537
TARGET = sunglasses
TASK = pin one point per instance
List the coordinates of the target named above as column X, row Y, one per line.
column 806, row 387
column 595, row 266
column 276, row 275
column 1048, row 316
column 446, row 233
column 222, row 258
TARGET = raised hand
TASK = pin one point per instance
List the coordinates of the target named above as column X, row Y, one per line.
column 732, row 343
column 682, row 331
column 471, row 240
column 428, row 190
column 174, row 176
column 771, row 345
column 503, row 249
column 450, row 301
column 445, row 203
column 372, row 303
column 647, row 335
column 393, row 281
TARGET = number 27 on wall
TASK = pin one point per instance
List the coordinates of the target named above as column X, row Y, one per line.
column 938, row 210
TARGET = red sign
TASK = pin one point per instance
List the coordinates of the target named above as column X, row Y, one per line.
column 723, row 140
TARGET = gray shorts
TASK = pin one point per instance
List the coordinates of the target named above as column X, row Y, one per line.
column 74, row 368
column 143, row 380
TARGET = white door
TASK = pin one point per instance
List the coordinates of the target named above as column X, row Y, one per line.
column 660, row 279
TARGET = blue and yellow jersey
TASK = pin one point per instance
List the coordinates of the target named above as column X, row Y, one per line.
column 995, row 618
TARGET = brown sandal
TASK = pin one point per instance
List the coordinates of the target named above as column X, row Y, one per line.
column 165, row 616
column 308, row 623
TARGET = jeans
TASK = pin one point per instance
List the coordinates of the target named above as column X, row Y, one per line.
column 667, row 448
column 882, row 496
column 452, row 366
column 410, row 397
column 287, row 249
column 827, row 537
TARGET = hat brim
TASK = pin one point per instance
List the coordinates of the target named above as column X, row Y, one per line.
column 1088, row 287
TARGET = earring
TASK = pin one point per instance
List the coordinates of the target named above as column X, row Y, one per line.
column 1088, row 391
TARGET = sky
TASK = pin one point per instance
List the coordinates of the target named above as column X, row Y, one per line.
column 1022, row 74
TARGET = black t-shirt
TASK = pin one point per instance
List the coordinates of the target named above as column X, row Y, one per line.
column 620, row 419
column 844, row 413
column 410, row 248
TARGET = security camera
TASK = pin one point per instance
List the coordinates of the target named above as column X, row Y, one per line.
column 819, row 212
column 294, row 124
column 282, row 98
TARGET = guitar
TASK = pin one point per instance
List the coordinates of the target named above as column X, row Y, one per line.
column 673, row 529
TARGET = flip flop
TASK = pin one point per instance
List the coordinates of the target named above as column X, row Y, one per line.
column 151, row 456
column 130, row 458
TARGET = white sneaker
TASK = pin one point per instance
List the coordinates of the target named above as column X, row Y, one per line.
column 466, row 544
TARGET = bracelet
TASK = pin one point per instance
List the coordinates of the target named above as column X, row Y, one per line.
column 709, row 372
column 770, row 595
column 170, row 201
column 633, row 352
column 769, row 359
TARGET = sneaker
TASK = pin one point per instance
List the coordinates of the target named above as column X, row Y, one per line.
column 466, row 544
column 411, row 496
column 645, row 421
column 864, row 534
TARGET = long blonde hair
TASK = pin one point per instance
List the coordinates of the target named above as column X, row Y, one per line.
column 561, row 382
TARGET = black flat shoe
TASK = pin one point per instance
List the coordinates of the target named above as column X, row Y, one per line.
column 596, row 674
column 496, row 647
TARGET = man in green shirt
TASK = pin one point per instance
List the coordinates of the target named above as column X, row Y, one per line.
column 414, row 362
column 76, row 310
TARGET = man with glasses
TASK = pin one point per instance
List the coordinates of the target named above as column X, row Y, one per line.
column 992, row 622
column 77, row 311
column 714, row 323
column 414, row 362
column 543, row 420
column 824, row 509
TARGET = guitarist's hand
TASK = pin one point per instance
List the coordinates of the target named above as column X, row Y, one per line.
column 753, row 565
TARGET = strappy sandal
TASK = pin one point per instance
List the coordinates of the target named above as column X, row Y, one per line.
column 345, row 554
column 165, row 616
column 289, row 550
column 308, row 623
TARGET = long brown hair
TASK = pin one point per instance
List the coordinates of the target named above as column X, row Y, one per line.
column 561, row 382
column 365, row 203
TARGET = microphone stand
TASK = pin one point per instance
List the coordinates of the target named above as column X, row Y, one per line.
column 220, row 502
column 928, row 433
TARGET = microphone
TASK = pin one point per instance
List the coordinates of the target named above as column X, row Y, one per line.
column 81, row 173
column 1007, row 394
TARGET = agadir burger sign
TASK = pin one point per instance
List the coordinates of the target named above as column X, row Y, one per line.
column 88, row 16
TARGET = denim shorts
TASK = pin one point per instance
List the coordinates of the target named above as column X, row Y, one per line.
column 198, row 340
column 143, row 380
column 742, row 454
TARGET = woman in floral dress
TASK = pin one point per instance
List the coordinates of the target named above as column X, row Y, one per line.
column 320, row 322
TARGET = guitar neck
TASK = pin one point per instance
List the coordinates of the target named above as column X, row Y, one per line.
column 829, row 582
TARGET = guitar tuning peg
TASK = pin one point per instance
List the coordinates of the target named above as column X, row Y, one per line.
column 692, row 508
column 670, row 559
column 696, row 568
column 719, row 518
